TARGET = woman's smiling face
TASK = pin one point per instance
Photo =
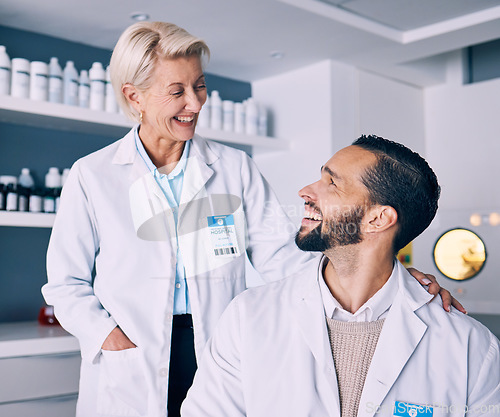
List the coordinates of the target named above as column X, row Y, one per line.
column 171, row 105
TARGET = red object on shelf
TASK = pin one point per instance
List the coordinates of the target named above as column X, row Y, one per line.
column 46, row 316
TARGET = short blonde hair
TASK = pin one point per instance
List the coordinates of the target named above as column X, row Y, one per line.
column 138, row 50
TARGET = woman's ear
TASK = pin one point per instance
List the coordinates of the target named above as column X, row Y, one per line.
column 132, row 95
column 380, row 218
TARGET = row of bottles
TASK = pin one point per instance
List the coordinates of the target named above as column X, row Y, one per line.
column 92, row 89
column 40, row 81
column 248, row 117
column 22, row 194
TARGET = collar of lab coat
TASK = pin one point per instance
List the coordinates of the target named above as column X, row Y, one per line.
column 410, row 289
column 197, row 173
column 402, row 332
column 127, row 150
column 148, row 203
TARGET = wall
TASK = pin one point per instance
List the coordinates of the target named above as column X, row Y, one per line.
column 22, row 250
column 392, row 110
column 462, row 121
column 462, row 126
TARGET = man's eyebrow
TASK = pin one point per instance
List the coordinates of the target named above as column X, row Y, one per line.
column 330, row 172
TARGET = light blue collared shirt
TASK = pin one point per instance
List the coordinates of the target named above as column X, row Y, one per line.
column 171, row 185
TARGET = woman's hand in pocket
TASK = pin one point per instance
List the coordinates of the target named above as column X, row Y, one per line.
column 117, row 340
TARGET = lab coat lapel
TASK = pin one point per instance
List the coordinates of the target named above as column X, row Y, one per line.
column 310, row 316
column 401, row 334
column 198, row 170
column 151, row 212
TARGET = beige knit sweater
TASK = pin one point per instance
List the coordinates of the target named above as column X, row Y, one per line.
column 353, row 345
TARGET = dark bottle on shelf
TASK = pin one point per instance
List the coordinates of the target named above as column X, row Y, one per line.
column 2, row 196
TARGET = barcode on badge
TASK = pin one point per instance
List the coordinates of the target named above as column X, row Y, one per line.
column 226, row 251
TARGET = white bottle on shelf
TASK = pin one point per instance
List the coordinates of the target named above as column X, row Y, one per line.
column 39, row 81
column 239, row 117
column 5, row 67
column 55, row 81
column 262, row 123
column 110, row 104
column 52, row 190
column 204, row 115
column 70, row 84
column 215, row 111
column 97, row 77
column 25, row 179
column 251, row 117
column 228, row 115
column 84, row 89
column 20, row 78
column 26, row 186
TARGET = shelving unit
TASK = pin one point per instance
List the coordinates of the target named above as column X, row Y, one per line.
column 24, row 219
column 70, row 118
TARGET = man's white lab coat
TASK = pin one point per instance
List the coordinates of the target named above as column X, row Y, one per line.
column 270, row 356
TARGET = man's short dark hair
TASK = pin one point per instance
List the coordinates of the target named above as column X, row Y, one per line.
column 403, row 180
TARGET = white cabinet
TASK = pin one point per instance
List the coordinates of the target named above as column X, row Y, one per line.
column 40, row 368
column 40, row 376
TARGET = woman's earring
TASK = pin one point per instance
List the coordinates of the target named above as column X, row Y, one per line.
column 140, row 117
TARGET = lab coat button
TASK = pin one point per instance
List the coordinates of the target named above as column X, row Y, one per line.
column 163, row 372
column 178, row 285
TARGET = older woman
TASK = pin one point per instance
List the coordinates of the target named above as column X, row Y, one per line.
column 148, row 247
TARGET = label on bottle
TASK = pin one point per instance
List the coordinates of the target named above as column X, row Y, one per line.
column 97, row 94
column 55, row 88
column 84, row 95
column 11, row 203
column 39, row 87
column 20, row 84
column 4, row 80
column 23, row 202
column 35, row 204
column 49, row 205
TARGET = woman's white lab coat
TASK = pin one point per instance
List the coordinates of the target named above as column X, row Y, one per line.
column 271, row 356
column 112, row 260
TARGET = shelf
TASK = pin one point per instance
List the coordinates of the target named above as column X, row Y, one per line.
column 23, row 219
column 61, row 117
column 30, row 338
column 70, row 118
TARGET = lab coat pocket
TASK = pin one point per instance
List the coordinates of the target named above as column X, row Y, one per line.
column 122, row 385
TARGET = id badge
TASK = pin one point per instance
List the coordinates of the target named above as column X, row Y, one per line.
column 223, row 236
column 404, row 409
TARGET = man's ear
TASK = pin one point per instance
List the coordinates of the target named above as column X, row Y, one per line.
column 133, row 96
column 380, row 218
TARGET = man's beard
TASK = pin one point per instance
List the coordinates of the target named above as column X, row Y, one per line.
column 342, row 230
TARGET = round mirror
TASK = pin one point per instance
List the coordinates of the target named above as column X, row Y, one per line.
column 459, row 254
